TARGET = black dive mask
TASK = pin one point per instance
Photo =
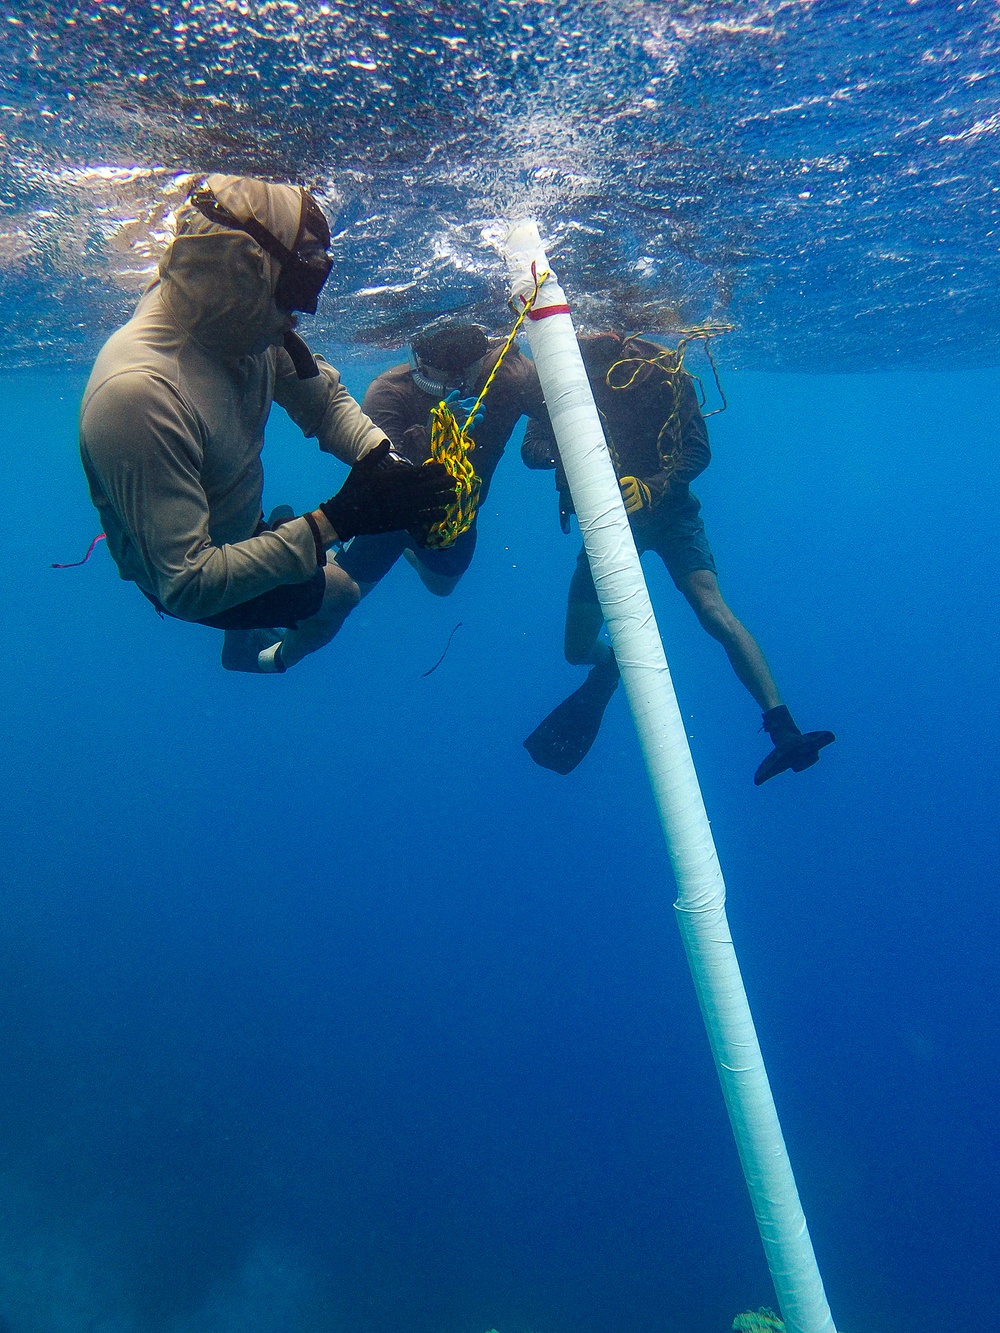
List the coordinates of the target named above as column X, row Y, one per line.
column 304, row 268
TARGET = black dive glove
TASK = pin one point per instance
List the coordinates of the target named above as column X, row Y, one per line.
column 386, row 493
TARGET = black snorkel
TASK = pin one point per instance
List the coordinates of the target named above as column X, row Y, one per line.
column 450, row 348
column 299, row 355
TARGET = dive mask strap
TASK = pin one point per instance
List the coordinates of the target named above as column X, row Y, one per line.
column 202, row 197
column 303, row 270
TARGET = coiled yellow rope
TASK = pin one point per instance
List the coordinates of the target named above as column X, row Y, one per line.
column 451, row 444
column 670, row 360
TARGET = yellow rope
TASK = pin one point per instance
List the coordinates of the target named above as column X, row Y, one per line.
column 452, row 444
column 670, row 360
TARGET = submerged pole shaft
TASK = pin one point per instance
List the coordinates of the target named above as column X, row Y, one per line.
column 700, row 904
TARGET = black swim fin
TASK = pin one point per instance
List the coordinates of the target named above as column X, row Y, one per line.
column 566, row 735
column 792, row 750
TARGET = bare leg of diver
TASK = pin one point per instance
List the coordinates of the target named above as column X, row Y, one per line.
column 792, row 750
column 437, row 584
column 441, row 585
column 339, row 600
column 566, row 735
column 701, row 588
column 580, row 643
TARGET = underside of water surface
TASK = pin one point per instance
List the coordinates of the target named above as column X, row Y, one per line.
column 820, row 175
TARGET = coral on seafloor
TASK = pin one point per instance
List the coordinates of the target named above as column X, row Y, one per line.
column 758, row 1321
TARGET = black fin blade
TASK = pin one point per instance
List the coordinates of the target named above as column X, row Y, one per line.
column 798, row 754
column 564, row 738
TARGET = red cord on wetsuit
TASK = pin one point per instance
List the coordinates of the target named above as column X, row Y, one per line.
column 90, row 551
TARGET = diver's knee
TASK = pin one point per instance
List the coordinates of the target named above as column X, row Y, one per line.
column 441, row 587
column 342, row 593
column 349, row 596
column 705, row 599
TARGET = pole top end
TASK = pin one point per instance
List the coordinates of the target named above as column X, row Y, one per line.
column 522, row 247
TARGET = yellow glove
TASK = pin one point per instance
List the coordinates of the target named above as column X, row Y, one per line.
column 636, row 494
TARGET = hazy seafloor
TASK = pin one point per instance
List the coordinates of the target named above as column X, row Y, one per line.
column 325, row 1011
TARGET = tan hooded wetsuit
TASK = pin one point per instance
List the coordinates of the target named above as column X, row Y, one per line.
column 172, row 420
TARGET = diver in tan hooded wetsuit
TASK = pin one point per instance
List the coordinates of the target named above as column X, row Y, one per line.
column 172, row 427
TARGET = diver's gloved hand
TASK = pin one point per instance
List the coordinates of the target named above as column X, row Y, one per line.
column 455, row 402
column 386, row 493
column 636, row 494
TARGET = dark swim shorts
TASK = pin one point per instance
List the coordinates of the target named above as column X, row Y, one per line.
column 369, row 558
column 278, row 608
column 677, row 537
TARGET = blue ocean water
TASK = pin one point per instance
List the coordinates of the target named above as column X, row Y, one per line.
column 324, row 1010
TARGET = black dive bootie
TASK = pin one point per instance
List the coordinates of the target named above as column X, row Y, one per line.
column 792, row 749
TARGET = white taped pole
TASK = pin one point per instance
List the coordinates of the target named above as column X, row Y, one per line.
column 701, row 894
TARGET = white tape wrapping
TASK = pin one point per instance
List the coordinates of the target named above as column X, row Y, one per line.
column 700, row 904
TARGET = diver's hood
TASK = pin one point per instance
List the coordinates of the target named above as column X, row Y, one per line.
column 217, row 283
column 599, row 350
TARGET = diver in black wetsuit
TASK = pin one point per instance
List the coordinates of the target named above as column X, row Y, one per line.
column 449, row 355
column 659, row 444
